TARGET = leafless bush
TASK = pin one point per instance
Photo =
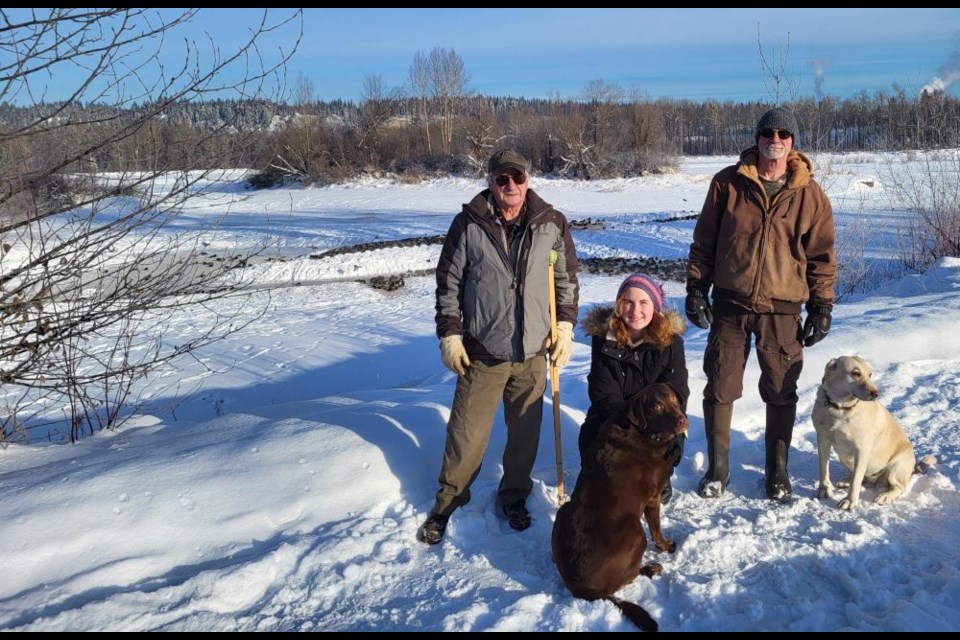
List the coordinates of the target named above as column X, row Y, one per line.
column 781, row 83
column 855, row 212
column 481, row 139
column 267, row 179
column 928, row 187
column 90, row 270
column 575, row 156
column 854, row 273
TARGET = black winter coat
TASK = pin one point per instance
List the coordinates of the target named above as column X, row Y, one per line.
column 618, row 374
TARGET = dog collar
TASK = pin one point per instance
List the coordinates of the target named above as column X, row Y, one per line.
column 838, row 405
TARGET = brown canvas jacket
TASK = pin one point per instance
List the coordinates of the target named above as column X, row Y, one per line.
column 766, row 256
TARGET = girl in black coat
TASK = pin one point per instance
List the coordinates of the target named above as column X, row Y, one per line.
column 634, row 343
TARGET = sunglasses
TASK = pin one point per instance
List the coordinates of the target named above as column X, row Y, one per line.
column 503, row 179
column 769, row 133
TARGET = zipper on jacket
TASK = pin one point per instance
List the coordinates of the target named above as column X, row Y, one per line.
column 764, row 215
column 523, row 256
column 504, row 240
column 523, row 252
column 766, row 220
column 492, row 234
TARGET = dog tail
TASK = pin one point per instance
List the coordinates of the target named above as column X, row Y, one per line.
column 925, row 463
column 635, row 614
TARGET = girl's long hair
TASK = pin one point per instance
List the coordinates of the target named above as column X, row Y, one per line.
column 657, row 332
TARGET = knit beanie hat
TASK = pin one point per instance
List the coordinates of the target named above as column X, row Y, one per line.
column 644, row 283
column 778, row 118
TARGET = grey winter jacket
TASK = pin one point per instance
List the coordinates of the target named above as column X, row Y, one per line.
column 501, row 307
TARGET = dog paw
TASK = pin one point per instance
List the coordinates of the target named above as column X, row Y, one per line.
column 887, row 498
column 650, row 570
column 847, row 504
column 925, row 463
column 663, row 544
column 825, row 492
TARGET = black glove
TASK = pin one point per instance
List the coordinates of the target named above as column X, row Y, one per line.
column 697, row 307
column 817, row 325
column 675, row 450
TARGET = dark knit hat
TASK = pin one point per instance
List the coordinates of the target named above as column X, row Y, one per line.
column 778, row 118
column 507, row 159
column 647, row 284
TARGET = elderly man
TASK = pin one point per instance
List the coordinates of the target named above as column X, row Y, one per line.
column 764, row 242
column 493, row 322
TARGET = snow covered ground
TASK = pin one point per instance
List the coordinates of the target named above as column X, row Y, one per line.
column 279, row 486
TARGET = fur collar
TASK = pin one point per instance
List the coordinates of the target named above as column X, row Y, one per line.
column 597, row 322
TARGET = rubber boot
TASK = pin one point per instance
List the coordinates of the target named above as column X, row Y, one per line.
column 674, row 455
column 666, row 493
column 777, row 439
column 716, row 423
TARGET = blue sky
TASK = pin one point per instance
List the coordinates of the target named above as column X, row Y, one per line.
column 695, row 54
column 681, row 53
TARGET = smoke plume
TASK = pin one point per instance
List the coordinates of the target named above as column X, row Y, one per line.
column 817, row 65
column 948, row 73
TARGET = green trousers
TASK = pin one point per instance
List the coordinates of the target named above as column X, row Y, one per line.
column 520, row 386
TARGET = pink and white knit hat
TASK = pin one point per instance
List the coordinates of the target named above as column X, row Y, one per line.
column 644, row 283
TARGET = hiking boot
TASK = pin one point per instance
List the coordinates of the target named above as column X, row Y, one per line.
column 666, row 493
column 433, row 529
column 517, row 515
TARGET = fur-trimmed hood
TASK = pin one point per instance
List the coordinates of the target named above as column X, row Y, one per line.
column 597, row 322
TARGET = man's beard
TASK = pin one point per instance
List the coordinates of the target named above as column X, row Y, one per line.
column 770, row 153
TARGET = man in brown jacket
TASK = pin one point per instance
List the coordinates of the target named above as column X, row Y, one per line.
column 764, row 243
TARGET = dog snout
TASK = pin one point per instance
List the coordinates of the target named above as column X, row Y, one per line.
column 874, row 394
column 682, row 424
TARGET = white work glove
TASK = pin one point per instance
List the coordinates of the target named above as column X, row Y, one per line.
column 453, row 354
column 563, row 348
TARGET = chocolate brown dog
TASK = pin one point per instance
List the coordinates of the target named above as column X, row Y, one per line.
column 598, row 540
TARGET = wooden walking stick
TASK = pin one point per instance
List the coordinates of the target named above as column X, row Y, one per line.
column 555, row 379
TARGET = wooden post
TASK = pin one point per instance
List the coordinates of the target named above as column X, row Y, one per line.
column 555, row 380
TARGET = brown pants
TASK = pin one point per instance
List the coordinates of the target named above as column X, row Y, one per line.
column 779, row 353
column 520, row 386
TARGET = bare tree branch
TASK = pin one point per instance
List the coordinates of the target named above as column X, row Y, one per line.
column 91, row 271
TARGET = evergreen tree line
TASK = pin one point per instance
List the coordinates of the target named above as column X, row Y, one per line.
column 604, row 135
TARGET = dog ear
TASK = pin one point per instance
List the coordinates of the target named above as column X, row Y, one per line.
column 831, row 366
column 676, row 394
column 635, row 414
